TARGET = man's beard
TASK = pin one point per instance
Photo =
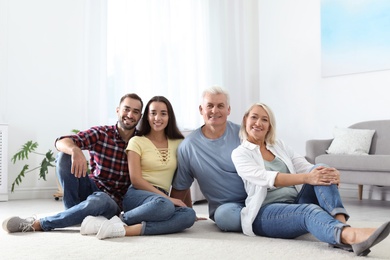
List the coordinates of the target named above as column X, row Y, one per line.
column 126, row 127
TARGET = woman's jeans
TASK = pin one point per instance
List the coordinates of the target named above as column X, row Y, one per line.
column 312, row 212
column 157, row 213
column 81, row 199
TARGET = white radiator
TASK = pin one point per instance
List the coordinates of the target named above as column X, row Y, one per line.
column 3, row 162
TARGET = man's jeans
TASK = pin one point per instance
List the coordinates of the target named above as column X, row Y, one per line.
column 75, row 189
column 157, row 213
column 81, row 199
column 227, row 217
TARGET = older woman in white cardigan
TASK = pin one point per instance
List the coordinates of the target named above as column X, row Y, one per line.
column 288, row 196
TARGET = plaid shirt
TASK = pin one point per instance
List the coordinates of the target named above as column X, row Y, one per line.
column 108, row 159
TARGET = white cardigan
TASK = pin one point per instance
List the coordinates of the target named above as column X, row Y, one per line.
column 249, row 164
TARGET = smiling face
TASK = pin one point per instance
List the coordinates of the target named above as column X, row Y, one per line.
column 214, row 109
column 257, row 125
column 158, row 116
column 129, row 113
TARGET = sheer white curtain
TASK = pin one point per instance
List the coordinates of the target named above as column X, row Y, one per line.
column 100, row 106
column 177, row 48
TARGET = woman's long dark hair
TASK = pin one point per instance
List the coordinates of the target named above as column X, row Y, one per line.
column 171, row 131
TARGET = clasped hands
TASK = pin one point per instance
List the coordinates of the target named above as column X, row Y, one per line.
column 323, row 176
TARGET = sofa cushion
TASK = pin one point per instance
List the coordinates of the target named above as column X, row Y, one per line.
column 380, row 142
column 351, row 141
column 367, row 163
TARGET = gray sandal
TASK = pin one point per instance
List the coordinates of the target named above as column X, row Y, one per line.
column 342, row 246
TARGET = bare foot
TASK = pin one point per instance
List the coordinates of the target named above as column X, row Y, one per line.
column 134, row 230
column 351, row 235
column 37, row 226
column 341, row 218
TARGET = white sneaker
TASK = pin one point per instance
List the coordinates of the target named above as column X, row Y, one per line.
column 112, row 228
column 91, row 225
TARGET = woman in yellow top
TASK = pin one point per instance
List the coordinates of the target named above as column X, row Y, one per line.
column 148, row 209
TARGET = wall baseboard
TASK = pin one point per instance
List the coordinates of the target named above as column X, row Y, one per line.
column 370, row 192
column 4, row 197
column 346, row 190
column 32, row 193
column 376, row 193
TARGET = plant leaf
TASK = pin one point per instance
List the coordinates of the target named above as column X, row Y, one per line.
column 26, row 149
column 45, row 164
column 18, row 178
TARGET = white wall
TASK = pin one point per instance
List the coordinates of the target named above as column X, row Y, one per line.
column 306, row 105
column 42, row 94
column 43, row 90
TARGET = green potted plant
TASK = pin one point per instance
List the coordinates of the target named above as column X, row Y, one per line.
column 26, row 149
column 30, row 148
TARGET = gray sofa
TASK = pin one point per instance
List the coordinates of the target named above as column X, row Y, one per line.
column 371, row 169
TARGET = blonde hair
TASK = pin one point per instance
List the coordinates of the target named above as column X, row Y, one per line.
column 271, row 135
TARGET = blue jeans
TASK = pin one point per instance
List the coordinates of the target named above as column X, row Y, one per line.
column 75, row 189
column 97, row 204
column 81, row 199
column 157, row 213
column 227, row 217
column 312, row 212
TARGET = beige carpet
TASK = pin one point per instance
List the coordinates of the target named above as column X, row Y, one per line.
column 202, row 241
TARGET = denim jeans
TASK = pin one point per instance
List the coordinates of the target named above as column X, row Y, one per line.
column 227, row 217
column 81, row 199
column 157, row 213
column 96, row 204
column 312, row 212
column 75, row 189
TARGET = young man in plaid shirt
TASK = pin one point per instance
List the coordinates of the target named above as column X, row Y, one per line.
column 100, row 192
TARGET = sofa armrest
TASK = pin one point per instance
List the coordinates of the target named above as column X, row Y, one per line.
column 315, row 148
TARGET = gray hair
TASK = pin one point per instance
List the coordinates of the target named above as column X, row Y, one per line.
column 214, row 90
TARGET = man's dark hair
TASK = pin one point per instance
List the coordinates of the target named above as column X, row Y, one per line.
column 133, row 96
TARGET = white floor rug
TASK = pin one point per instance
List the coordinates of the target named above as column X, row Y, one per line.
column 202, row 241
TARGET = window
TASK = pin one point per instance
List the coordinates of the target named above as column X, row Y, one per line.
column 177, row 48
